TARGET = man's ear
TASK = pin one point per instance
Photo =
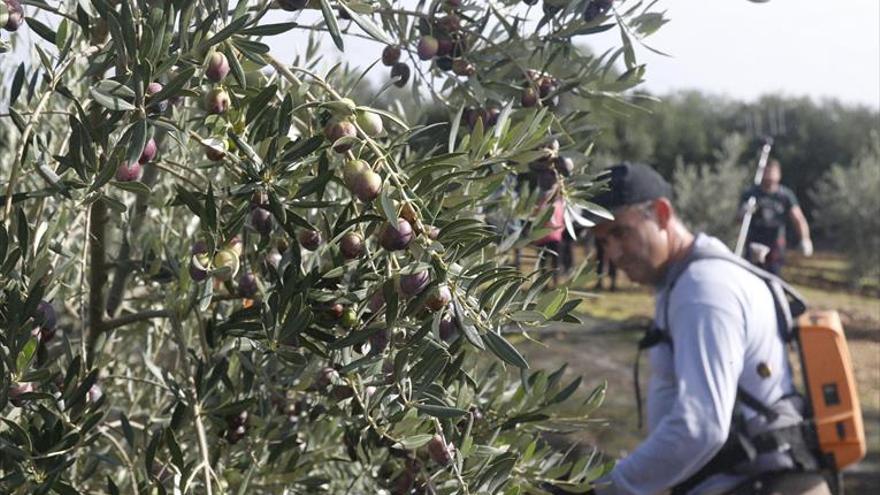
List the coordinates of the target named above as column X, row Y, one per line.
column 663, row 211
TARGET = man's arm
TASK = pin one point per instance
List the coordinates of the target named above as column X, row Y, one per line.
column 803, row 230
column 708, row 359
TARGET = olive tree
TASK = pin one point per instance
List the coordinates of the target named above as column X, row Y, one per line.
column 222, row 274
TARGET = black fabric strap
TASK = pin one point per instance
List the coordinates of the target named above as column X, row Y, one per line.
column 652, row 337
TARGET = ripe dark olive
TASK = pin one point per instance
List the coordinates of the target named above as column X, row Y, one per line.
column 443, row 63
column 149, row 152
column 376, row 302
column 427, row 47
column 546, row 86
column 247, row 285
column 46, row 318
column 396, row 238
column 448, row 328
column 490, row 116
column 218, row 67
column 390, row 55
column 155, row 106
column 367, row 185
column 400, row 72
column 292, row 5
column 439, row 451
column 546, row 179
column 351, row 245
column 233, row 435
column 128, row 172
column 444, row 47
column 342, row 392
column 414, row 283
column 217, row 101
column 378, row 343
column 197, row 273
column 261, row 220
column 15, row 15
column 309, row 239
column 595, row 9
column 471, row 115
column 439, row 298
column 450, row 23
column 240, row 419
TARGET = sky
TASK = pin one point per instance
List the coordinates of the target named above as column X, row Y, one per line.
column 737, row 48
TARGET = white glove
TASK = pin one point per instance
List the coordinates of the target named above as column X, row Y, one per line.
column 807, row 247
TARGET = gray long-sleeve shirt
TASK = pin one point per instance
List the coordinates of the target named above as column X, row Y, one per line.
column 722, row 322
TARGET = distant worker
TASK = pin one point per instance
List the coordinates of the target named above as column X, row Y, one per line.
column 775, row 203
column 603, row 264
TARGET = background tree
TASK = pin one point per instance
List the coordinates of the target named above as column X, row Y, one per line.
column 224, row 274
column 850, row 211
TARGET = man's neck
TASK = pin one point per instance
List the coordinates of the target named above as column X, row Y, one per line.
column 681, row 241
column 771, row 188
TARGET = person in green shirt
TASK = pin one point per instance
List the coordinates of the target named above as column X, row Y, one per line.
column 775, row 204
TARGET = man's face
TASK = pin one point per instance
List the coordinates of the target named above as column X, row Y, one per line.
column 635, row 242
column 772, row 176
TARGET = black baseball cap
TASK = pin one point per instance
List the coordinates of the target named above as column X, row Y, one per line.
column 629, row 184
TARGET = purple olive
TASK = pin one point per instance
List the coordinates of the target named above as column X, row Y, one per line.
column 400, row 72
column 15, row 15
column 149, row 152
column 396, row 238
column 292, row 5
column 427, row 47
column 439, row 451
column 414, row 283
column 261, row 220
column 309, row 239
column 390, row 55
column 247, row 285
column 217, row 101
column 218, row 67
column 128, row 172
column 439, row 298
column 448, row 328
column 351, row 245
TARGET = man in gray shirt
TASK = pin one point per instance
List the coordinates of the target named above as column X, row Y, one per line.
column 723, row 341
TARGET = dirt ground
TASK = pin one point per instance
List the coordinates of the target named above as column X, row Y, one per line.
column 604, row 348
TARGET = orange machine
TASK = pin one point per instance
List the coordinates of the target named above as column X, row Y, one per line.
column 831, row 387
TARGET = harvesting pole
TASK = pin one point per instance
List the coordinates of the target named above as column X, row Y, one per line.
column 750, row 205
